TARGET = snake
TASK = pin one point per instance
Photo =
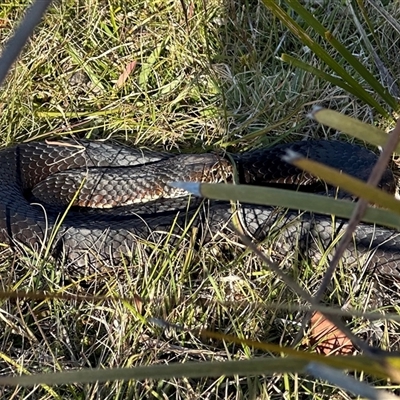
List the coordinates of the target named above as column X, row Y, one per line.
column 92, row 202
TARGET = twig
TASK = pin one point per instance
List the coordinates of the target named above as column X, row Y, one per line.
column 356, row 341
column 355, row 219
column 14, row 46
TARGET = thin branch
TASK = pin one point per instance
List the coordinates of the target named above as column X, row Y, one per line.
column 14, row 46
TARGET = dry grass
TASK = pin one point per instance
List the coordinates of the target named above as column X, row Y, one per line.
column 207, row 77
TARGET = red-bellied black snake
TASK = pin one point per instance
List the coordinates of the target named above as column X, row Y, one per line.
column 123, row 195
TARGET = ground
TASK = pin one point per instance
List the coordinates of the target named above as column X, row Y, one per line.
column 199, row 76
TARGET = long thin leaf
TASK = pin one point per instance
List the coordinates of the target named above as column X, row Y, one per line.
column 288, row 199
column 352, row 185
column 344, row 52
column 330, row 78
column 351, row 126
column 322, row 54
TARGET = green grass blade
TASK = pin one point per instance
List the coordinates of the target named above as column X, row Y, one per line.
column 257, row 366
column 350, row 184
column 363, row 72
column 295, row 28
column 345, row 53
column 188, row 369
column 148, row 65
column 351, row 126
column 296, row 200
column 330, row 78
column 80, row 60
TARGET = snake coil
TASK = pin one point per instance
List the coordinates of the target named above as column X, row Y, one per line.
column 119, row 194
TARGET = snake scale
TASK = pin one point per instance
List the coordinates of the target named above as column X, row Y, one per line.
column 121, row 195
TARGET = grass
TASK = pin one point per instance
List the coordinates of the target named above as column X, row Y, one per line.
column 206, row 77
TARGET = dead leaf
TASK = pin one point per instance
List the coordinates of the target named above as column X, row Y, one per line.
column 125, row 74
column 4, row 23
column 327, row 338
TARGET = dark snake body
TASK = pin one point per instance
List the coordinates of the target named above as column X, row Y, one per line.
column 125, row 196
